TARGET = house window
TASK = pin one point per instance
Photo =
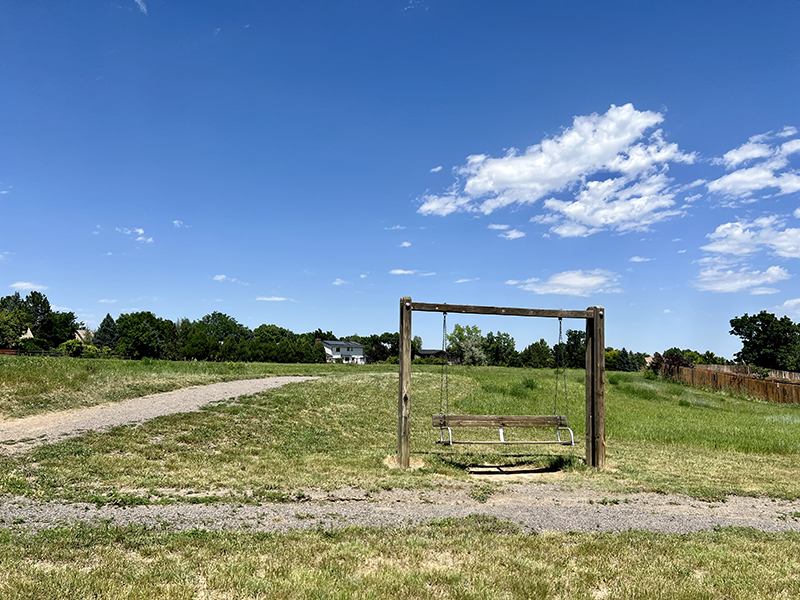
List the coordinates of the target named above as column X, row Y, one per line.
column 338, row 349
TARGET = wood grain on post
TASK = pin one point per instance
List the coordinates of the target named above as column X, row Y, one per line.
column 404, row 404
column 595, row 388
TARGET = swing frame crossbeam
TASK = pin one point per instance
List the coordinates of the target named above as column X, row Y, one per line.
column 595, row 384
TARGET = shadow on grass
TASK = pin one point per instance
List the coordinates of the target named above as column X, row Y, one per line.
column 509, row 464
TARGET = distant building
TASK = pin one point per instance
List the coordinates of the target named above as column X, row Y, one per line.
column 344, row 352
column 430, row 353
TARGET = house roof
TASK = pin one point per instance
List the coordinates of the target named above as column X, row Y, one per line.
column 342, row 343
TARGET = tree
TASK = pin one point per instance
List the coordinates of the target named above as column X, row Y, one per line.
column 107, row 334
column 537, row 355
column 500, row 350
column 467, row 343
column 767, row 341
column 572, row 353
column 143, row 335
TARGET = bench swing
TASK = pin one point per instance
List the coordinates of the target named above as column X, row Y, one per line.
column 559, row 423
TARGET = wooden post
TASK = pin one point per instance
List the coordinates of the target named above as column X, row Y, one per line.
column 595, row 388
column 404, row 403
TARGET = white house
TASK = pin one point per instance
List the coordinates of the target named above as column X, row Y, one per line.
column 344, row 352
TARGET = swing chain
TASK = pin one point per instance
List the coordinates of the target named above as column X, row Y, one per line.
column 444, row 385
column 560, row 364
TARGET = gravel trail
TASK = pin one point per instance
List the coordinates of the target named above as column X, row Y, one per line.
column 536, row 508
column 20, row 435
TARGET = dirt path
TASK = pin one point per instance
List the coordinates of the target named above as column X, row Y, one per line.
column 20, row 435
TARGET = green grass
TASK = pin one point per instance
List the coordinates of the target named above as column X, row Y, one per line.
column 35, row 385
column 471, row 558
column 340, row 430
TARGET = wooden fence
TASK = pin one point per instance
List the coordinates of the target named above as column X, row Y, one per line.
column 772, row 390
column 747, row 370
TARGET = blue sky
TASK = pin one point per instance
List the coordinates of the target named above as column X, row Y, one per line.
column 309, row 163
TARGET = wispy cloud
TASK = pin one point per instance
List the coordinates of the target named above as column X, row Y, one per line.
column 436, row 169
column 340, row 282
column 273, row 299
column 467, row 280
column 572, row 283
column 405, row 244
column 639, row 259
column 722, row 276
column 401, row 272
column 498, row 227
column 229, row 279
column 394, row 227
column 108, row 301
column 760, row 164
column 620, row 144
column 27, row 286
column 138, row 232
column 747, row 237
column 180, row 225
column 142, row 6
column 513, row 234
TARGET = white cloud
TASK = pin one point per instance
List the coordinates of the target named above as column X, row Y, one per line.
column 573, row 283
column 790, row 308
column 178, row 224
column 796, row 213
column 142, row 6
column 667, row 311
column 429, row 274
column 513, row 234
column 107, row 301
column 762, row 291
column 27, row 286
column 394, row 227
column 273, row 299
column 467, row 280
column 138, row 231
column 634, row 193
column 436, row 169
column 764, row 166
column 720, row 279
column 338, row 281
column 747, row 237
column 401, row 272
column 230, row 279
column 639, row 259
column 405, row 244
column 498, row 227
column 363, row 276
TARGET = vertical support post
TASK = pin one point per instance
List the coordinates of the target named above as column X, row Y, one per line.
column 404, row 402
column 596, row 388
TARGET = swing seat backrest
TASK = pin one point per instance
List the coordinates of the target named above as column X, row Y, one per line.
column 499, row 421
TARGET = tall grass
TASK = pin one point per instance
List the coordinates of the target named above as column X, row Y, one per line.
column 341, row 430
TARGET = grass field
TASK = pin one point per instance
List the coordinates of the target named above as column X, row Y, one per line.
column 472, row 558
column 338, row 431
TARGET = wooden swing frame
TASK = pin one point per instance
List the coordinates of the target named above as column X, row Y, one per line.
column 594, row 317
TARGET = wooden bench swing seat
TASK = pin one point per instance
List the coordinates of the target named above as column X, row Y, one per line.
column 558, row 422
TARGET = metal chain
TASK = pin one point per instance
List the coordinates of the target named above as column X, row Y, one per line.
column 560, row 364
column 444, row 385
